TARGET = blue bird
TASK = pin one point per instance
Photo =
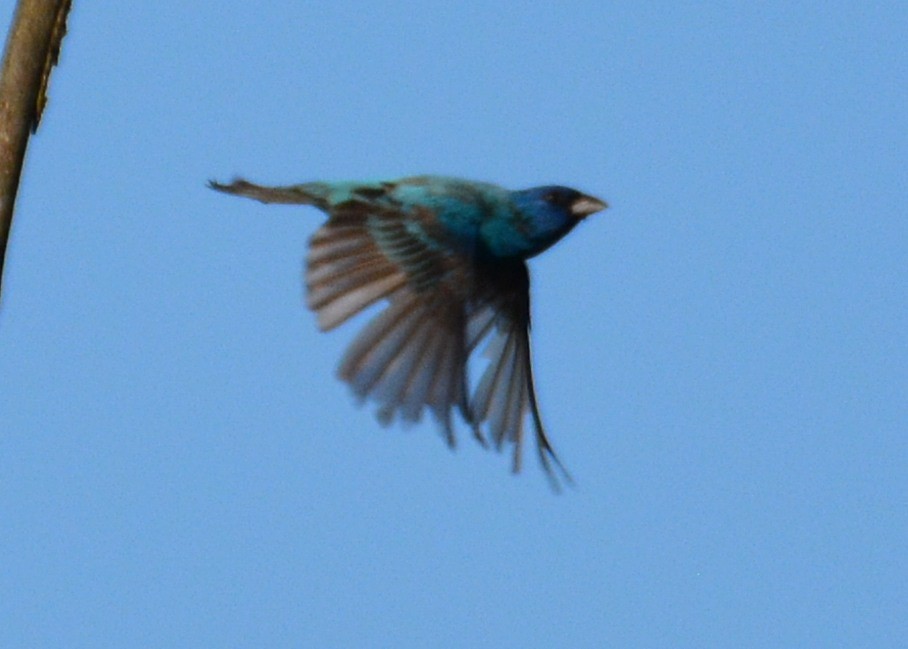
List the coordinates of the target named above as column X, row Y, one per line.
column 448, row 256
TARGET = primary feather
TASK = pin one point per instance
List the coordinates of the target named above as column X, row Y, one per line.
column 448, row 257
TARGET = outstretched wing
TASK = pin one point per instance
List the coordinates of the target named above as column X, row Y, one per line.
column 505, row 394
column 412, row 355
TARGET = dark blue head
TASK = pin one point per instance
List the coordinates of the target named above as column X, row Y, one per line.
column 545, row 214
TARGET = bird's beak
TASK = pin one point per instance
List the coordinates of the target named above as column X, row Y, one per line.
column 585, row 205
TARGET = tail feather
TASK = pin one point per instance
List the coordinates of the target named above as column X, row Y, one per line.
column 305, row 194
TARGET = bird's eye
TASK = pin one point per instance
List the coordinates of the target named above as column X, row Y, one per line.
column 551, row 197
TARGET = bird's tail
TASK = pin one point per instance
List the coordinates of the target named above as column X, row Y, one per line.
column 306, row 194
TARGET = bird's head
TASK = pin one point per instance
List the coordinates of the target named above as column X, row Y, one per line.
column 548, row 213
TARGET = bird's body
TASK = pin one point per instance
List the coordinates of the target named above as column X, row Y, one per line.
column 449, row 257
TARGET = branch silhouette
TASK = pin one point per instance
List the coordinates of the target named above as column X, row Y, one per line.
column 31, row 51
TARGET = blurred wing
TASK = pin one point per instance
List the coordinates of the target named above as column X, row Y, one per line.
column 505, row 392
column 411, row 355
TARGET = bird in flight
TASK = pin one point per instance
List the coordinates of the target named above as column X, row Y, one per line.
column 449, row 258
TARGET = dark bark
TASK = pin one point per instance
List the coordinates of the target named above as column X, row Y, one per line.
column 31, row 51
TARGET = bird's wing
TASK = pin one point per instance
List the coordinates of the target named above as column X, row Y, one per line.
column 412, row 354
column 500, row 315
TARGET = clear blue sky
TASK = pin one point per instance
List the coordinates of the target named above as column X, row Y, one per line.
column 721, row 357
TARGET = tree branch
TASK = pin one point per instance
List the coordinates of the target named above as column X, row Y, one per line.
column 31, row 51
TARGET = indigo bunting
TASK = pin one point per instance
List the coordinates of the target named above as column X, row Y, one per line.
column 448, row 256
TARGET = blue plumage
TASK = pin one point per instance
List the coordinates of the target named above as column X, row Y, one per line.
column 448, row 257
